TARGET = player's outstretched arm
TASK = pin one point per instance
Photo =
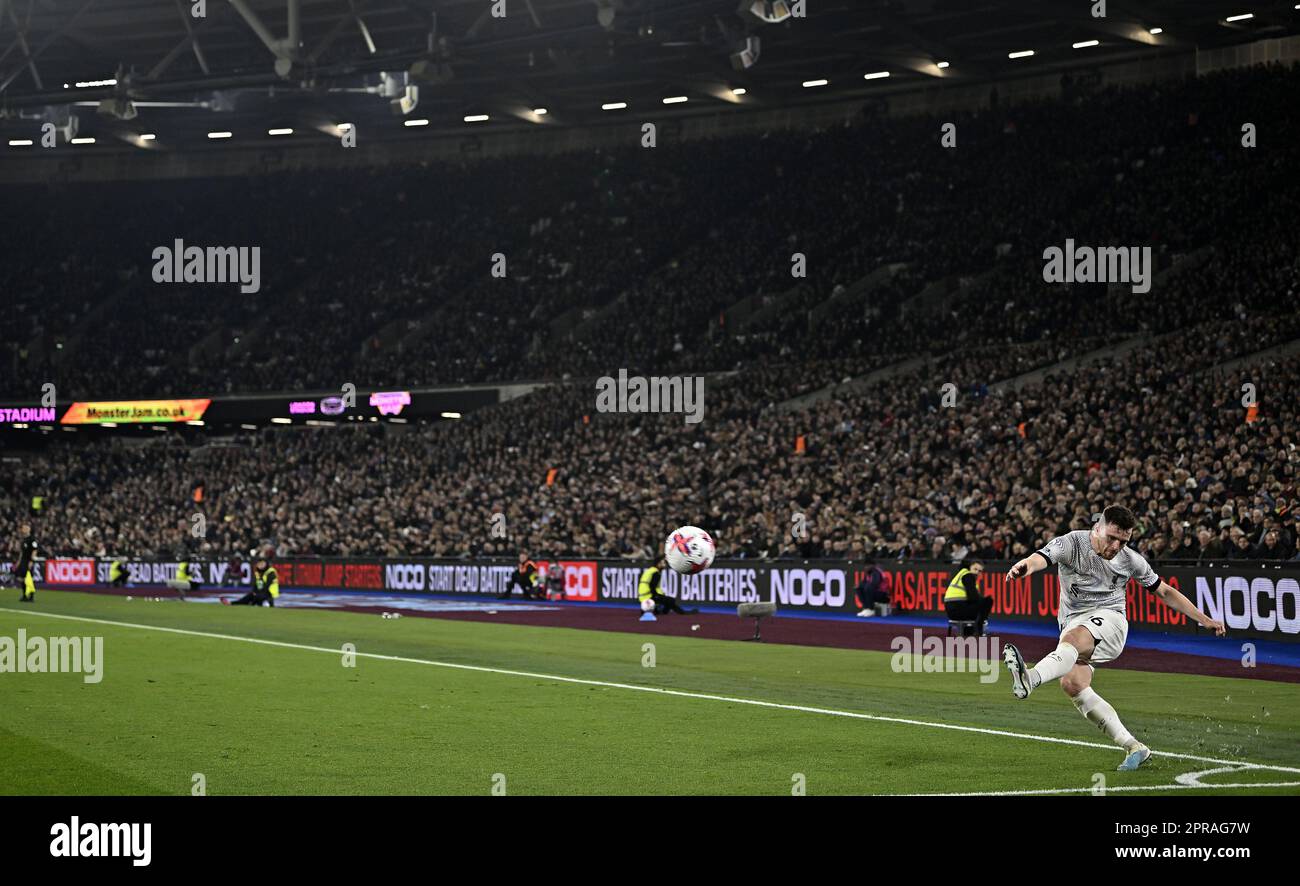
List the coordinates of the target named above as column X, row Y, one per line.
column 1178, row 602
column 1028, row 566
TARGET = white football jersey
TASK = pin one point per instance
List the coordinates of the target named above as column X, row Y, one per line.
column 1089, row 582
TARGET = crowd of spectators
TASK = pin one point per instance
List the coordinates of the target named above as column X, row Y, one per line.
column 885, row 471
column 633, row 260
column 634, row 257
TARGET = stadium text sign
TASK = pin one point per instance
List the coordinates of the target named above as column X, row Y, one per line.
column 1252, row 602
column 93, row 413
column 1260, row 603
column 390, row 402
column 70, row 572
column 27, row 414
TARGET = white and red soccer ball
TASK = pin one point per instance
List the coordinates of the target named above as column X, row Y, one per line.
column 689, row 550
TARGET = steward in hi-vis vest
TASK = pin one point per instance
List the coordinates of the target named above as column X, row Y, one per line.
column 963, row 600
column 652, row 600
column 266, row 587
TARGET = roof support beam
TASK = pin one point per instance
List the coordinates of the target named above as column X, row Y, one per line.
column 286, row 51
column 21, row 41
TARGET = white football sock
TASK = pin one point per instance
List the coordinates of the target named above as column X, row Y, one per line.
column 1099, row 711
column 1054, row 665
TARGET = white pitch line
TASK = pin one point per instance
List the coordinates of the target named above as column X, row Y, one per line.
column 680, row 693
column 1109, row 790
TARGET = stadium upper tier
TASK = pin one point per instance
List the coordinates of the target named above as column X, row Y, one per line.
column 676, row 258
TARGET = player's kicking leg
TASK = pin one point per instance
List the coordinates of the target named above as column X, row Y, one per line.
column 1078, row 686
column 1064, row 664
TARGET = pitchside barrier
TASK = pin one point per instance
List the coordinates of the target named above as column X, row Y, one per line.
column 1252, row 600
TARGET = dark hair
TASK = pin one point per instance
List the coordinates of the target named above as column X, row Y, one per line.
column 1119, row 516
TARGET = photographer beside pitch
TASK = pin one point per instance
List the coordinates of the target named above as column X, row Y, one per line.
column 1094, row 567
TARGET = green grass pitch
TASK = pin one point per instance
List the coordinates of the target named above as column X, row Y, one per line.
column 260, row 718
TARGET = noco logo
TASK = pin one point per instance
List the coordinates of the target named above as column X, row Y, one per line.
column 579, row 579
column 70, row 572
column 809, row 587
column 404, row 577
column 1256, row 603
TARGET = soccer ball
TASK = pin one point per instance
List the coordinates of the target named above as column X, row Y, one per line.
column 689, row 550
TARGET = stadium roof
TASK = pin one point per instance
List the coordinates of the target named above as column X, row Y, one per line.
column 126, row 67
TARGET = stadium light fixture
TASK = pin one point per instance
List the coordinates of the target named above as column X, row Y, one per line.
column 540, row 112
column 1084, row 44
column 249, row 427
column 420, row 122
column 739, row 91
column 1155, row 31
column 196, row 423
column 477, row 118
column 675, row 100
column 20, row 142
column 1023, row 53
column 451, row 415
column 876, row 75
column 282, row 421
column 745, row 52
column 285, row 131
column 147, row 136
column 941, row 65
column 88, row 84
column 1240, row 18
column 220, row 134
column 809, row 84
column 613, row 106
column 85, row 140
column 768, row 12
column 108, row 424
